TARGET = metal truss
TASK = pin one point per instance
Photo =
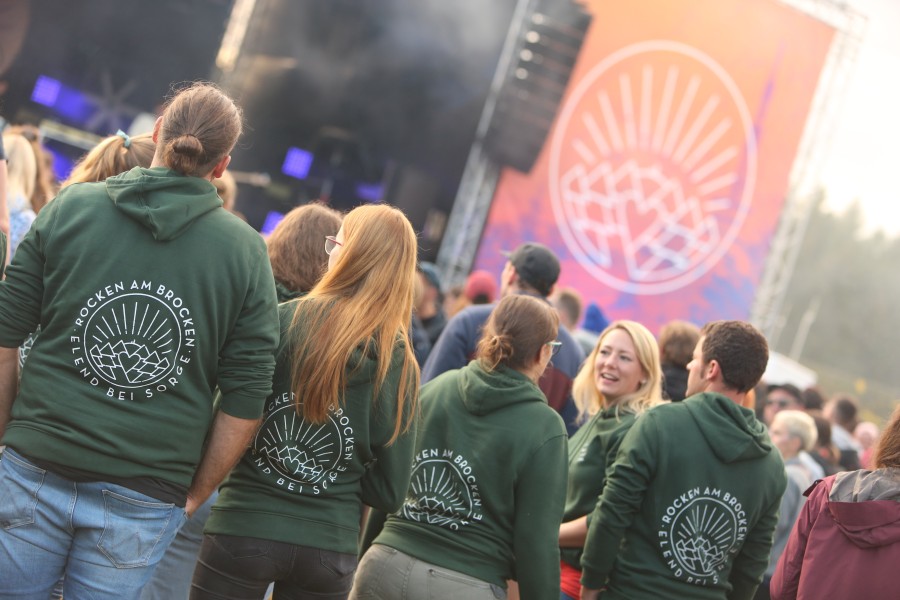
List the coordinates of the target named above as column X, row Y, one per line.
column 767, row 313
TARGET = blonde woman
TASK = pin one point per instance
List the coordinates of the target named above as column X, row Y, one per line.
column 620, row 379
column 337, row 432
column 21, row 179
column 115, row 154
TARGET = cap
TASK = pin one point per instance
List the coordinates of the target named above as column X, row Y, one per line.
column 481, row 283
column 536, row 265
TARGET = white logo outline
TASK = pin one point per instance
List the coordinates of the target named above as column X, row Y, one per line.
column 317, row 451
column 450, row 503
column 650, row 245
column 155, row 333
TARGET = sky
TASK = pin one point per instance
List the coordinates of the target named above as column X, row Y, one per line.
column 864, row 158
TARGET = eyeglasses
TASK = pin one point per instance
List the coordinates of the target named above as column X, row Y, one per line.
column 330, row 243
column 554, row 347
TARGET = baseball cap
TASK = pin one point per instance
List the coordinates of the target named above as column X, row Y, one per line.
column 536, row 265
column 481, row 283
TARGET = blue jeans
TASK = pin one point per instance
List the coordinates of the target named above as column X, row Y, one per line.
column 105, row 538
column 172, row 578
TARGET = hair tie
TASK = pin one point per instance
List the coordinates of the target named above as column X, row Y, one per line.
column 125, row 137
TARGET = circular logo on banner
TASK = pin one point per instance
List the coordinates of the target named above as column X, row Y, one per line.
column 652, row 167
column 439, row 495
column 702, row 533
column 130, row 340
column 300, row 451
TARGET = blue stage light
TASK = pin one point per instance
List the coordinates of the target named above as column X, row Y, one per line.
column 370, row 192
column 272, row 220
column 46, row 91
column 297, row 163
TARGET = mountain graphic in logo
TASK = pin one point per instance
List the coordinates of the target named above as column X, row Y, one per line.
column 129, row 361
column 131, row 340
column 303, row 452
column 438, row 495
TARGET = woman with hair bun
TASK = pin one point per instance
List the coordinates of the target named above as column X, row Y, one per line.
column 488, row 481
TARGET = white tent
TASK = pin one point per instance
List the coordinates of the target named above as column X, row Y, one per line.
column 782, row 369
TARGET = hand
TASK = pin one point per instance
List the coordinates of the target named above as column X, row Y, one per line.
column 587, row 594
column 190, row 506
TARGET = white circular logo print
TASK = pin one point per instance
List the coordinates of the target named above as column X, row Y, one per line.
column 131, row 340
column 300, row 451
column 439, row 496
column 652, row 167
column 702, row 534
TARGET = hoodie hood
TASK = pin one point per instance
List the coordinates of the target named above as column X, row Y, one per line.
column 164, row 201
column 484, row 391
column 865, row 505
column 733, row 432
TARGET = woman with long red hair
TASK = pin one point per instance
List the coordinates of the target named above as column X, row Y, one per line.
column 337, row 432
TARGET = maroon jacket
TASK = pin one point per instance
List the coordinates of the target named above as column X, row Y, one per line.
column 846, row 544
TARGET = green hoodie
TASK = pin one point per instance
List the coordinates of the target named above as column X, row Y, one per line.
column 148, row 295
column 488, row 483
column 304, row 484
column 592, row 451
column 689, row 506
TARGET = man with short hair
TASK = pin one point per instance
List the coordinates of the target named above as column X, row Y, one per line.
column 692, row 500
column 531, row 269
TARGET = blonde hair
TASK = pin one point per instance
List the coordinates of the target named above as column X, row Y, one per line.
column 799, row 425
column 111, row 157
column 364, row 300
column 21, row 166
column 588, row 398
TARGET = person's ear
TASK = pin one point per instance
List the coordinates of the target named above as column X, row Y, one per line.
column 220, row 167
column 713, row 371
column 156, row 127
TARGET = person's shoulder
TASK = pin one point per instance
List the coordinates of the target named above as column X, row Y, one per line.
column 469, row 320
column 475, row 312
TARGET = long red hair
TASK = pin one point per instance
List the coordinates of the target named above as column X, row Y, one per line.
column 364, row 300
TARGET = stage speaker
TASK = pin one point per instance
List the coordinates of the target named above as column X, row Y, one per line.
column 543, row 59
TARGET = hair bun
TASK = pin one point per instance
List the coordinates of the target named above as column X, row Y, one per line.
column 187, row 145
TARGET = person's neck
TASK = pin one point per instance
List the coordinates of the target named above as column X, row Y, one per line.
column 739, row 398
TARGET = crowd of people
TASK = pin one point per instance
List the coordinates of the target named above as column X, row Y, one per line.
column 192, row 411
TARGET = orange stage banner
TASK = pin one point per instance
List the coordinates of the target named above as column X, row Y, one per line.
column 661, row 182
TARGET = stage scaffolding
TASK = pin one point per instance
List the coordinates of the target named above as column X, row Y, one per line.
column 849, row 25
column 479, row 180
